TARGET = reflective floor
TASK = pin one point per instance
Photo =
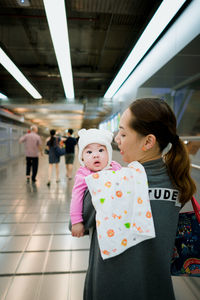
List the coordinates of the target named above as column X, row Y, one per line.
column 39, row 260
column 38, row 257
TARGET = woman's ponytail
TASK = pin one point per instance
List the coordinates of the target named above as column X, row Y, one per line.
column 178, row 164
column 52, row 139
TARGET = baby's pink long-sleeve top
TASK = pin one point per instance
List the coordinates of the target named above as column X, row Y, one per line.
column 78, row 190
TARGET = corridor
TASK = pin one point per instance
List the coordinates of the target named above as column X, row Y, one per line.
column 39, row 259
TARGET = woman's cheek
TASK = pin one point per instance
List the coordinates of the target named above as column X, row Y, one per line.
column 124, row 140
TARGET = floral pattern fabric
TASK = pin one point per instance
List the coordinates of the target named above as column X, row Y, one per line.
column 123, row 210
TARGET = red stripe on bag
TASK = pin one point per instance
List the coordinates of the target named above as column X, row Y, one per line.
column 196, row 207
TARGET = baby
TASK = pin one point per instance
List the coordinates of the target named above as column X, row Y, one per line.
column 95, row 154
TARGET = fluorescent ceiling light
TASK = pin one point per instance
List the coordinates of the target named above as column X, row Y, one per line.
column 17, row 74
column 167, row 47
column 160, row 20
column 56, row 17
column 3, row 97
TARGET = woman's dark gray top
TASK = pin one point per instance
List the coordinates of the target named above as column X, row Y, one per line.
column 143, row 271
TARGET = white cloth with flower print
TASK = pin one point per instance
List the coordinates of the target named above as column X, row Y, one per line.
column 123, row 210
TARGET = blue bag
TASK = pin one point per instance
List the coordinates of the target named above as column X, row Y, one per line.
column 59, row 151
column 186, row 254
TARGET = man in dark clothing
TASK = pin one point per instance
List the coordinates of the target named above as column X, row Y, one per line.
column 70, row 143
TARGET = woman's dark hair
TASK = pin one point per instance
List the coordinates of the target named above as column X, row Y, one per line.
column 52, row 139
column 70, row 131
column 154, row 116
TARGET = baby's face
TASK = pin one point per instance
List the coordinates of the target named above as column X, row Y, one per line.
column 95, row 157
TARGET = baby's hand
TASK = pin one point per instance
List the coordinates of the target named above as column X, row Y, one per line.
column 78, row 230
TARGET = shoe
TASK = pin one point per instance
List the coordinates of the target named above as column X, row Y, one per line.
column 70, row 178
column 27, row 179
column 48, row 183
column 34, row 180
column 58, row 180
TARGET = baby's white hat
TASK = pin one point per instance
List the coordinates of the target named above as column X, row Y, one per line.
column 95, row 136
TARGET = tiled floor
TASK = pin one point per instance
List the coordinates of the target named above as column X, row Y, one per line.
column 38, row 257
column 39, row 260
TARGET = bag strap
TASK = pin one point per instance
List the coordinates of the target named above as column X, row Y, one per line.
column 57, row 142
column 196, row 207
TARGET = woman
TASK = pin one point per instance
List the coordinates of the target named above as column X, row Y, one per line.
column 142, row 272
column 53, row 158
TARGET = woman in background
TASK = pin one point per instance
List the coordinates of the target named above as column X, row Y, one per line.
column 53, row 158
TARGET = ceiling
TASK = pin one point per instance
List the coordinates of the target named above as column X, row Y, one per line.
column 183, row 70
column 180, row 79
column 101, row 35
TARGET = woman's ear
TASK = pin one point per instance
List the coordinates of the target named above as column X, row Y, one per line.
column 150, row 141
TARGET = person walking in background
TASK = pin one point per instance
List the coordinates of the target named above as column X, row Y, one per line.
column 147, row 134
column 95, row 154
column 54, row 159
column 33, row 144
column 70, row 144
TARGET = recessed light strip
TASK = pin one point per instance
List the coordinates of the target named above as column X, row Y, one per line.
column 166, row 11
column 56, row 17
column 17, row 74
column 23, row 3
column 3, row 97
